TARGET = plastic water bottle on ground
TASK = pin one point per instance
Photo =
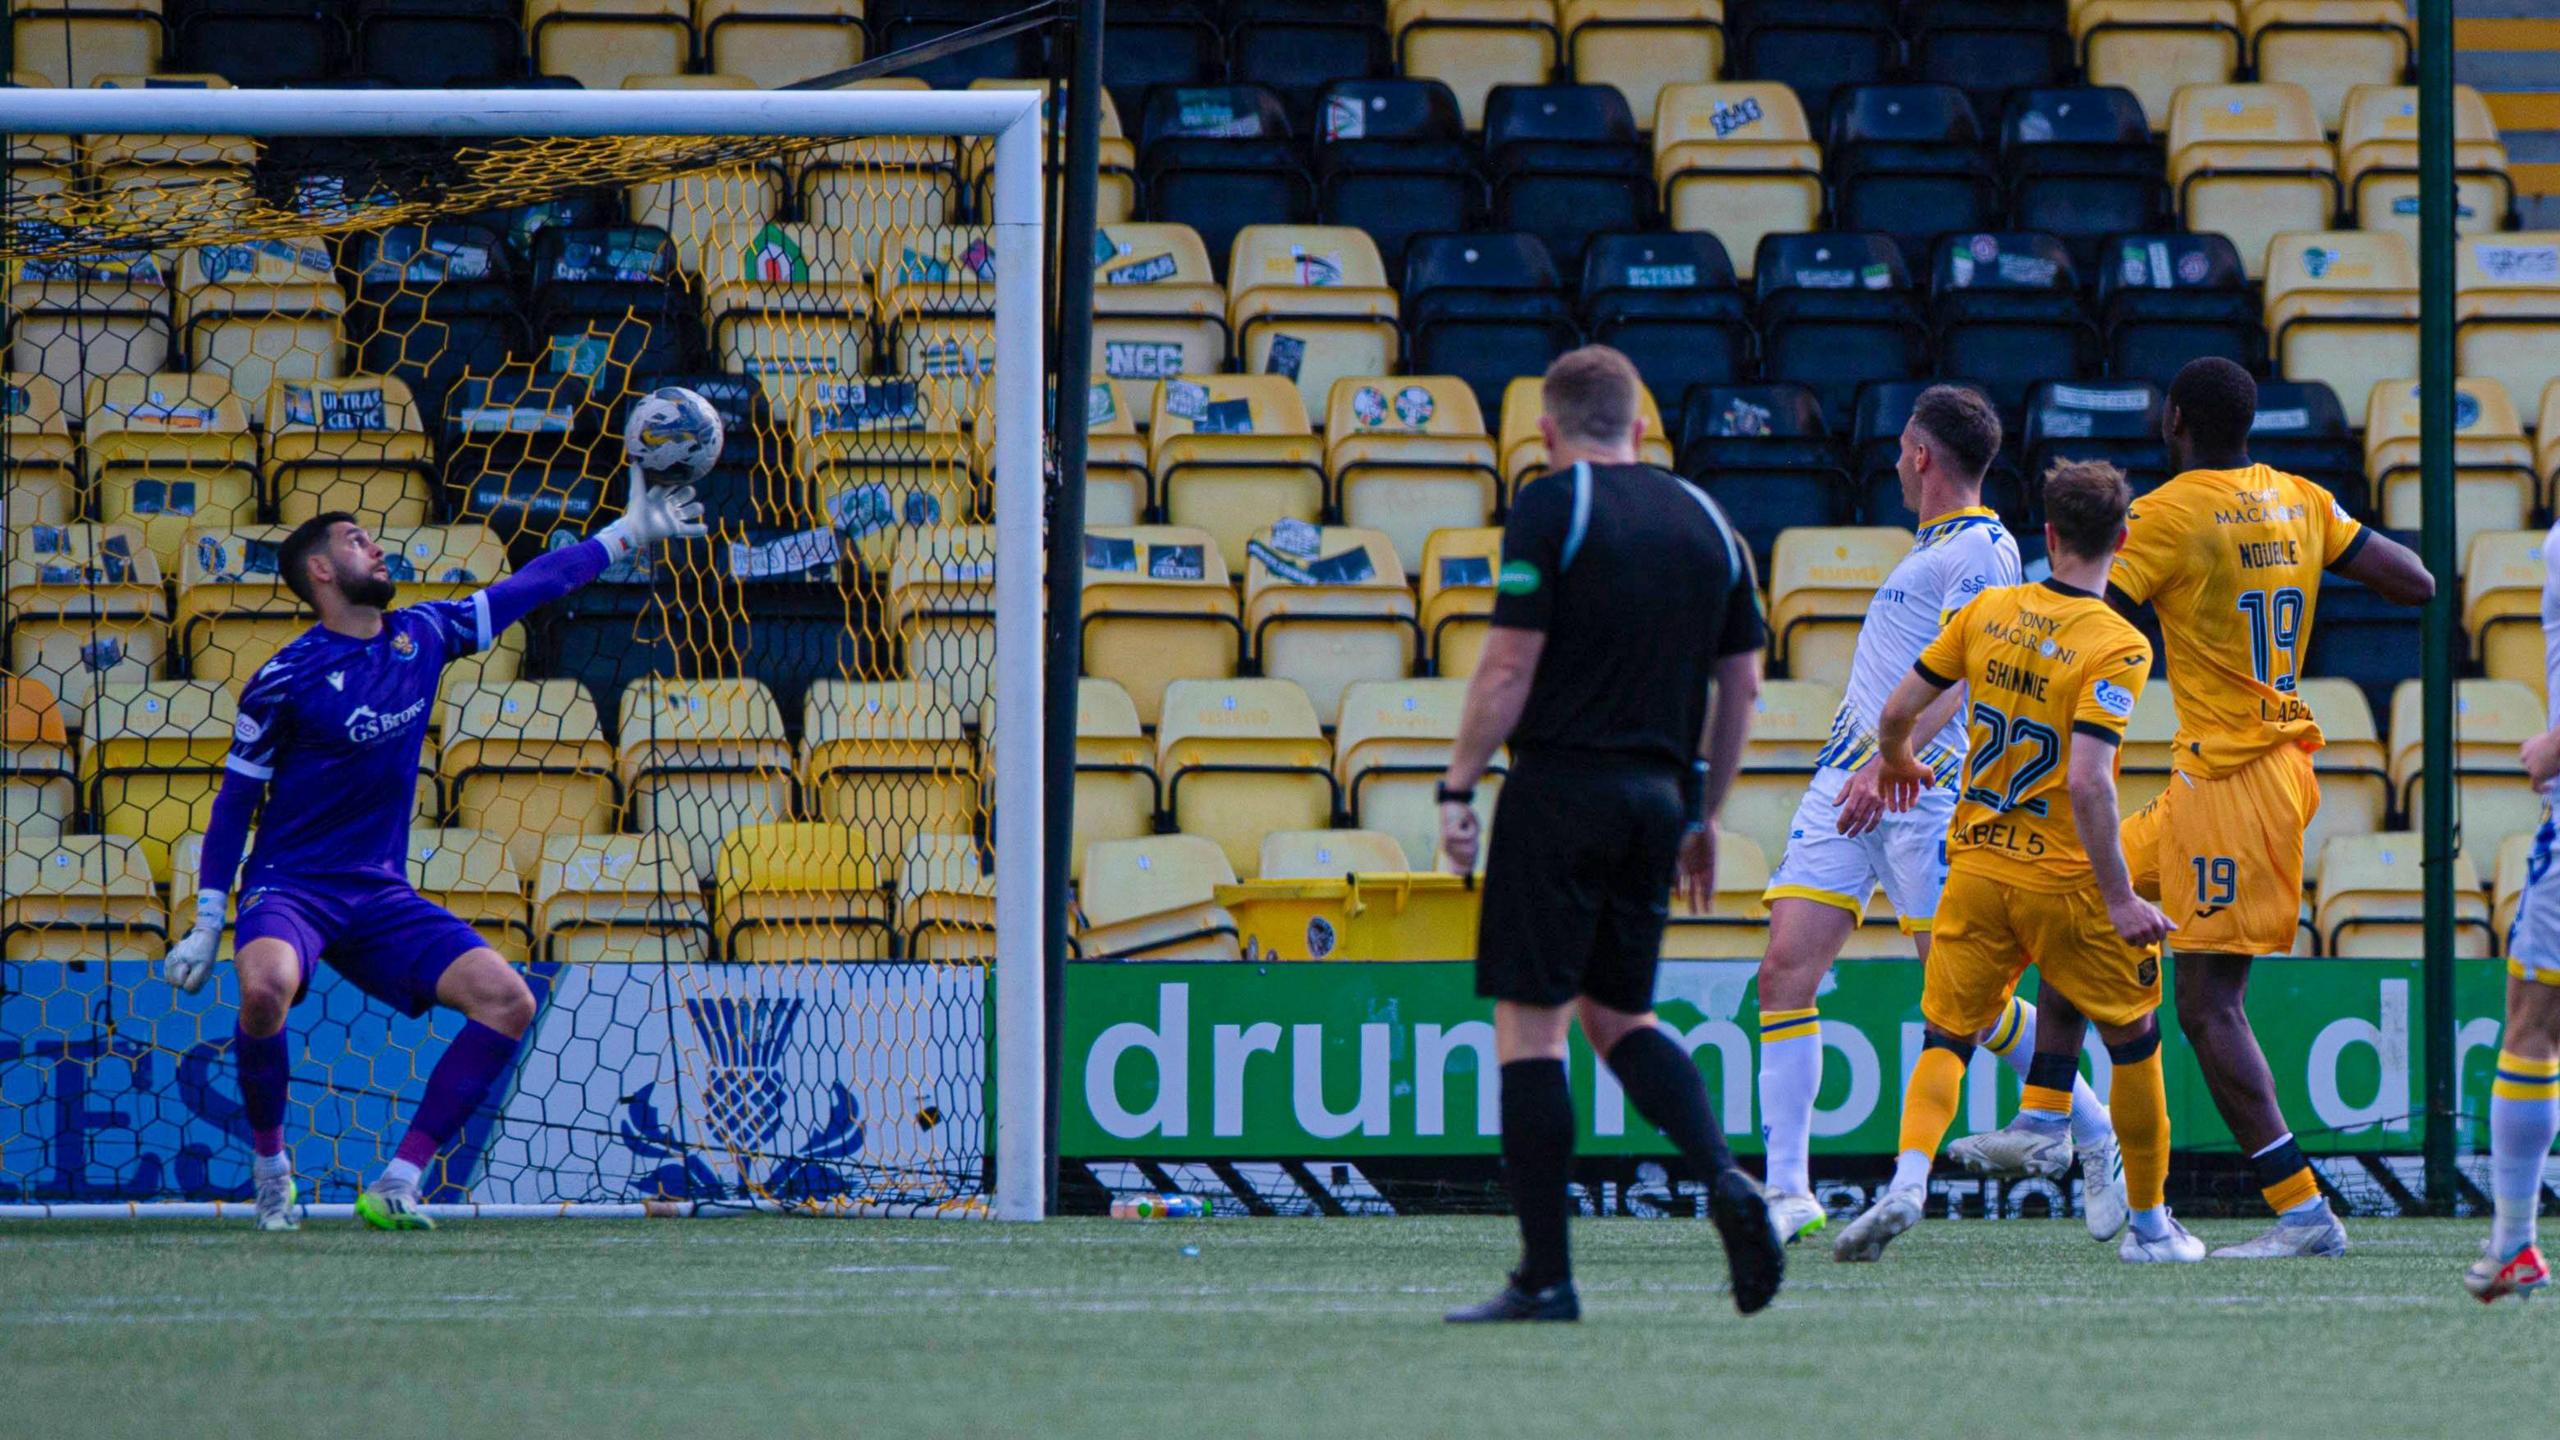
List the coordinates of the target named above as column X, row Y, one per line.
column 1159, row 1207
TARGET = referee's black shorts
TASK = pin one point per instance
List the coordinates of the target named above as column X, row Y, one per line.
column 1578, row 885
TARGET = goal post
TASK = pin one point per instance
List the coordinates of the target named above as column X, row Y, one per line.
column 879, row 966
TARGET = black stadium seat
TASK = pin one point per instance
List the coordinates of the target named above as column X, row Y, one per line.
column 431, row 302
column 1392, row 159
column 437, row 43
column 2302, row 428
column 2117, row 421
column 1815, row 46
column 2006, row 312
column 903, row 24
column 1989, row 48
column 1485, row 308
column 525, row 454
column 1298, row 47
column 2082, row 163
column 1160, row 42
column 258, row 42
column 2359, row 636
column 1875, row 445
column 754, row 484
column 607, row 301
column 2165, row 299
column 1765, row 455
column 1566, row 164
column 1907, row 160
column 1218, row 158
column 1668, row 301
column 1835, row 311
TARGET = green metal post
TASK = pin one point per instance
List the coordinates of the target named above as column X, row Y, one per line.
column 2436, row 409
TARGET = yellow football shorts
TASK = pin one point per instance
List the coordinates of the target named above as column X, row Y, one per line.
column 1988, row 934
column 2224, row 857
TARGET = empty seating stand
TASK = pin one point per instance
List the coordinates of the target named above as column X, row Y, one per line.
column 1669, row 301
column 1485, row 308
column 1391, row 157
column 1907, row 161
column 2081, row 163
column 1566, row 164
column 1835, row 311
column 2007, row 314
column 2164, row 299
column 1766, row 456
column 1218, row 158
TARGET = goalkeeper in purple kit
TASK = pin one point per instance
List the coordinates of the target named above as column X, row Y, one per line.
column 329, row 735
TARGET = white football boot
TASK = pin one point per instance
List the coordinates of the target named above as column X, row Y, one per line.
column 2102, row 1202
column 276, row 1196
column 2017, row 1149
column 1867, row 1235
column 2175, row 1248
column 1796, row 1216
column 2323, row 1238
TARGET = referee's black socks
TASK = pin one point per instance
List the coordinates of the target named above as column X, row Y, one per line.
column 1662, row 1081
column 1537, row 1160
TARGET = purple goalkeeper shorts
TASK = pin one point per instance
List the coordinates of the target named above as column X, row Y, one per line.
column 394, row 943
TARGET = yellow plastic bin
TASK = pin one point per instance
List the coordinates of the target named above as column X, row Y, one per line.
column 1420, row 916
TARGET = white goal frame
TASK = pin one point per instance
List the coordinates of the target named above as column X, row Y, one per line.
column 1012, row 119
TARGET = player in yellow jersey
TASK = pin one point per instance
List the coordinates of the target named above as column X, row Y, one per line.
column 2230, row 555
column 2034, row 871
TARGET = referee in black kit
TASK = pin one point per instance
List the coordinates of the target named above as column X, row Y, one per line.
column 1621, row 668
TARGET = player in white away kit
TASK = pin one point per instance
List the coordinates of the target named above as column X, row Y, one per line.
column 2524, row 1099
column 1844, row 843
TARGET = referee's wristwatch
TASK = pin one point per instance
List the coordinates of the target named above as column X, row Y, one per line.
column 1447, row 796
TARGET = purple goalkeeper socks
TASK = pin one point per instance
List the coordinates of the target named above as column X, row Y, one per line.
column 475, row 1060
column 265, row 1071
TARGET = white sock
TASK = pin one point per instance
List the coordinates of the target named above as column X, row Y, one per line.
column 400, row 1175
column 2014, row 1041
column 1790, row 1078
column 1911, row 1172
column 267, row 1167
column 2152, row 1224
column 2522, row 1123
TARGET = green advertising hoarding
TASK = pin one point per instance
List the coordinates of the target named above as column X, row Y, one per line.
column 1318, row 1060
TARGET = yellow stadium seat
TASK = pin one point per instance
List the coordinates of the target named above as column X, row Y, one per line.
column 1390, row 750
column 1158, row 608
column 2546, row 432
column 773, row 43
column 1820, row 581
column 76, row 43
column 39, row 481
column 39, row 768
column 1328, row 606
column 1232, row 453
column 167, row 452
column 2492, row 720
column 1524, row 450
column 75, row 319
column 1457, row 596
column 2378, row 160
column 2507, row 322
column 1240, row 759
column 79, row 897
column 2156, row 47
column 946, row 901
column 1790, row 724
column 257, row 314
column 2342, row 307
column 151, row 759
column 1115, row 771
column 700, row 758
column 1643, row 46
column 1737, row 161
column 888, row 758
column 942, row 599
column 787, row 299
column 2353, row 769
column 1409, row 455
column 84, row 606
column 601, row 43
column 2372, row 898
column 937, row 299
column 1736, row 925
column 233, row 609
column 468, row 873
column 526, row 761
column 356, row 444
column 2494, row 484
column 1156, row 899
column 618, row 899
column 2251, row 162
column 1330, row 854
column 1473, row 45
column 1310, row 302
column 1116, row 484
column 865, row 186
column 2328, row 47
column 801, row 891
column 2148, row 756
column 1158, row 310
column 1115, row 174
column 887, row 453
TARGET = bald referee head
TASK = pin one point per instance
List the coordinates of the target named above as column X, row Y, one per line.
column 1621, row 667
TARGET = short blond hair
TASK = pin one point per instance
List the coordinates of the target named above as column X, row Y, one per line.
column 2085, row 501
column 1591, row 393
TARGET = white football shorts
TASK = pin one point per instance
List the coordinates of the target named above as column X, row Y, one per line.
column 2533, row 937
column 1905, row 853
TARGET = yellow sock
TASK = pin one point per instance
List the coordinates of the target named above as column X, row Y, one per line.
column 2140, row 1100
column 2046, row 1100
column 2292, row 1190
column 1929, row 1102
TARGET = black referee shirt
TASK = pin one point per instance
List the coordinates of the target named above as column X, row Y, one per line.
column 1641, row 586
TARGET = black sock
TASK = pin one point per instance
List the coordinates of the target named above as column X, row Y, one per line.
column 1663, row 1083
column 1537, row 1158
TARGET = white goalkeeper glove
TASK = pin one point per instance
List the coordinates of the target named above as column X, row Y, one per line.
column 653, row 515
column 189, row 963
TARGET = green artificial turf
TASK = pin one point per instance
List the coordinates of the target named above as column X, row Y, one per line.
column 767, row 1327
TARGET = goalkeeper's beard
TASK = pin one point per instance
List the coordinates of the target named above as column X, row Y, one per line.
column 375, row 591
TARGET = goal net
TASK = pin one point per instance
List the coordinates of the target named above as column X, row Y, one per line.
column 733, row 808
